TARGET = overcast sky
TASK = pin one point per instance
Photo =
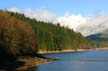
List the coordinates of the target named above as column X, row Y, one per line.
column 85, row 16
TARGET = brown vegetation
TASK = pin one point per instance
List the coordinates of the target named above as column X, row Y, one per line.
column 16, row 38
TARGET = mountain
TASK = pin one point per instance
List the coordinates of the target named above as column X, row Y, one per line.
column 99, row 39
column 53, row 37
column 94, row 37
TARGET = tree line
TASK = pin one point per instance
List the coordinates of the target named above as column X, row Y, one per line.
column 53, row 37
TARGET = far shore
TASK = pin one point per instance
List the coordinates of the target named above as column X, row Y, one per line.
column 67, row 50
column 105, row 48
column 70, row 50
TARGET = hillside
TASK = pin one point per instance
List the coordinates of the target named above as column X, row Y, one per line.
column 100, row 39
column 53, row 37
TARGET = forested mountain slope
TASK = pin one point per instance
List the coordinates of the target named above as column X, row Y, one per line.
column 52, row 37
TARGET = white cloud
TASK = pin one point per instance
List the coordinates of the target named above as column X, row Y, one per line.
column 94, row 25
column 85, row 25
column 14, row 9
column 41, row 15
column 72, row 21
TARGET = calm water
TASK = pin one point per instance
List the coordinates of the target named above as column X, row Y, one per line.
column 76, row 61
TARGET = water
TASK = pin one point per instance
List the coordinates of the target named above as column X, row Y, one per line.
column 76, row 61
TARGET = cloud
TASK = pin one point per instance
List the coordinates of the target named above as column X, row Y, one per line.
column 41, row 15
column 68, row 20
column 72, row 21
column 94, row 25
column 14, row 9
column 79, row 23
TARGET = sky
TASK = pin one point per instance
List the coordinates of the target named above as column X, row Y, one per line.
column 85, row 16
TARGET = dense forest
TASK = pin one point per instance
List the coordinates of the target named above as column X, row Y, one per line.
column 18, row 31
column 53, row 37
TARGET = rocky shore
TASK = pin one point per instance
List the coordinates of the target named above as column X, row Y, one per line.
column 23, row 63
column 31, row 62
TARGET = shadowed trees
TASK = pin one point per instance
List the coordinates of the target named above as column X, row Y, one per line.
column 16, row 38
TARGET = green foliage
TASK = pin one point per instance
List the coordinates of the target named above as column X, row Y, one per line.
column 52, row 37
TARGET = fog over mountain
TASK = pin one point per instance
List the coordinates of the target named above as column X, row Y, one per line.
column 94, row 25
column 84, row 24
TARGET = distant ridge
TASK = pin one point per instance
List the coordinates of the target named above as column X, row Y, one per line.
column 99, row 39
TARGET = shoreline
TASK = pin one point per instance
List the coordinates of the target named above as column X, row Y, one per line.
column 34, row 61
column 31, row 62
column 71, row 50
column 106, row 48
column 63, row 51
